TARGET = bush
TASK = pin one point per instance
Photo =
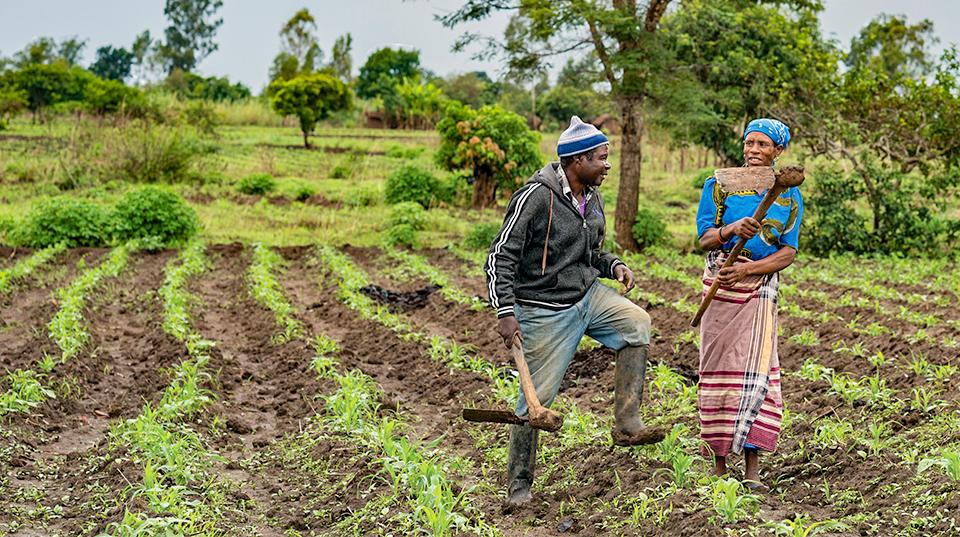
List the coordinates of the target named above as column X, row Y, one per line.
column 700, row 177
column 151, row 153
column 413, row 184
column 257, row 184
column 340, row 171
column 481, row 236
column 63, row 219
column 364, row 196
column 399, row 151
column 155, row 214
column 403, row 234
column 648, row 229
column 303, row 191
column 407, row 214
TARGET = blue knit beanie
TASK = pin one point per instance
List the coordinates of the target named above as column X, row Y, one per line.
column 579, row 137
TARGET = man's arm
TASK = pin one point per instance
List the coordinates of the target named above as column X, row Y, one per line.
column 504, row 254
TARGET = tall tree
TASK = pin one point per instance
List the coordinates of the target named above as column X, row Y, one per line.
column 626, row 38
column 71, row 49
column 341, row 62
column 112, row 63
column 141, row 49
column 299, row 36
column 189, row 38
column 384, row 69
column 299, row 51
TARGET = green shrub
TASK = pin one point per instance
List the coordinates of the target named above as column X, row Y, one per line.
column 303, row 191
column 154, row 214
column 63, row 219
column 402, row 234
column 648, row 229
column 700, row 177
column 481, row 235
column 399, row 151
column 152, row 153
column 407, row 213
column 257, row 184
column 411, row 183
column 364, row 196
column 340, row 171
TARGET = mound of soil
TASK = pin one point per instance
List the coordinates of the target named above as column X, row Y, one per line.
column 397, row 301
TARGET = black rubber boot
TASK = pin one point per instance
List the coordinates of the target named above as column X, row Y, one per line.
column 520, row 466
column 629, row 373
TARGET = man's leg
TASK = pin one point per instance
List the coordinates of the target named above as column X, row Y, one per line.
column 620, row 324
column 549, row 340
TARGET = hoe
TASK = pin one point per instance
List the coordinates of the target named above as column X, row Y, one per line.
column 539, row 417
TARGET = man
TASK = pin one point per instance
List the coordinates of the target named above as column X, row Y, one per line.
column 542, row 272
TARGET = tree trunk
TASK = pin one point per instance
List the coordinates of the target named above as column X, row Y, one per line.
column 306, row 139
column 484, row 189
column 630, row 156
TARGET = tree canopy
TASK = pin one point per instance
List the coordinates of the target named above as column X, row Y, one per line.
column 384, row 69
column 189, row 37
column 310, row 98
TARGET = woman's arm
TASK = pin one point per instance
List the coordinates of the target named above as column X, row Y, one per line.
column 774, row 262
column 716, row 237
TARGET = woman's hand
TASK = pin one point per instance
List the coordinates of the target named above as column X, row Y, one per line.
column 746, row 228
column 731, row 275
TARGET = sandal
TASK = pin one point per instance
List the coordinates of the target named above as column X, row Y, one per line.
column 756, row 486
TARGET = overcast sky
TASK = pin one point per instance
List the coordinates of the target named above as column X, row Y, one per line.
column 248, row 38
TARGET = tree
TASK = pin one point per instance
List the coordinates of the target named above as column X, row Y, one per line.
column 384, row 69
column 341, row 63
column 45, row 50
column 299, row 37
column 189, row 38
column 46, row 85
column 141, row 49
column 12, row 100
column 112, row 63
column 413, row 105
column 742, row 60
column 891, row 116
column 71, row 49
column 626, row 39
column 309, row 97
column 474, row 88
column 493, row 143
column 110, row 96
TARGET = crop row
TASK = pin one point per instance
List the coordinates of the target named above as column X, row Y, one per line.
column 66, row 329
column 24, row 268
column 179, row 489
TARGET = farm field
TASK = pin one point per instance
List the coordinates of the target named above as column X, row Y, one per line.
column 287, row 374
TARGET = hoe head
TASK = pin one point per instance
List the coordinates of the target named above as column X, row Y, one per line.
column 757, row 178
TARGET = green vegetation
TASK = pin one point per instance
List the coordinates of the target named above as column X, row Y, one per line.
column 63, row 220
column 257, row 184
column 10, row 277
column 154, row 214
column 265, row 289
column 412, row 184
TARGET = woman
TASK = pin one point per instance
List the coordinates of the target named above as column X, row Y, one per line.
column 739, row 397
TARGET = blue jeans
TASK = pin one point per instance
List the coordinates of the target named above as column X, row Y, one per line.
column 550, row 337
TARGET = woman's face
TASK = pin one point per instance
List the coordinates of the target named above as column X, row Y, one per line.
column 759, row 150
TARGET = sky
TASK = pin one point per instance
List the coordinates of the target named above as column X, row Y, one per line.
column 249, row 40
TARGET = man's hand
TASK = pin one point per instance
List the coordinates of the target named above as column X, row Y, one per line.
column 508, row 327
column 625, row 276
column 731, row 275
column 746, row 228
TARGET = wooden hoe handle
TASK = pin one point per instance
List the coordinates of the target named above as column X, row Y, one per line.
column 540, row 416
column 758, row 215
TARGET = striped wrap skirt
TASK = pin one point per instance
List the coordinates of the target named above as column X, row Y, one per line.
column 739, row 393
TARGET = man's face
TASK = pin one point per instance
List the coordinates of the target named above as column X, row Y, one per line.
column 594, row 170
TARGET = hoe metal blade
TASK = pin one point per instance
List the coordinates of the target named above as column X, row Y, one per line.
column 757, row 178
column 492, row 416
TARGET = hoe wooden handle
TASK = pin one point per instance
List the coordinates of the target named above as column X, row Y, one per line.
column 758, row 215
column 540, row 416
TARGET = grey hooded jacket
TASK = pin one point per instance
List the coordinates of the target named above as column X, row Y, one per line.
column 546, row 254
